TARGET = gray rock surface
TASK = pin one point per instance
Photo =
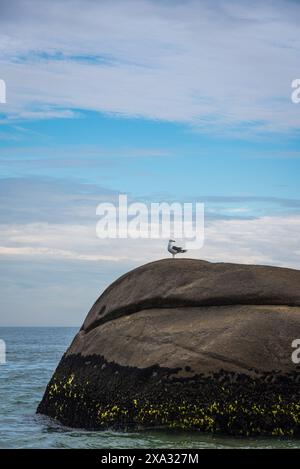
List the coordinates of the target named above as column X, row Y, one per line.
column 178, row 312
column 186, row 344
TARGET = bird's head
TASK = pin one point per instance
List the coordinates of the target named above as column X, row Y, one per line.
column 171, row 240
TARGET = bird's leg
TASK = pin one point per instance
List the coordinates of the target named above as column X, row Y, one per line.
column 173, row 255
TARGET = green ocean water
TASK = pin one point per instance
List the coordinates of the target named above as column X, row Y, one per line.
column 32, row 356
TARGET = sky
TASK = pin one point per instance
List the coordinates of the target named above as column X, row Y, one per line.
column 162, row 100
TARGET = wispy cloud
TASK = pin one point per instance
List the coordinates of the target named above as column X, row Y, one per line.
column 221, row 65
column 52, row 274
column 264, row 240
column 61, row 254
column 26, row 200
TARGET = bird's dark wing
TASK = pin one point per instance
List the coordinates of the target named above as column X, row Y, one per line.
column 176, row 248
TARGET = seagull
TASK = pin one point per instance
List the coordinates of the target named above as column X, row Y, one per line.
column 174, row 249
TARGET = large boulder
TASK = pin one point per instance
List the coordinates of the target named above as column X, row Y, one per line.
column 186, row 344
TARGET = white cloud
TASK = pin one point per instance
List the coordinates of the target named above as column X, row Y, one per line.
column 51, row 273
column 61, row 254
column 210, row 64
column 265, row 240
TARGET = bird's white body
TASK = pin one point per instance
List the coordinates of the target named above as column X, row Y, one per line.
column 174, row 249
column 170, row 247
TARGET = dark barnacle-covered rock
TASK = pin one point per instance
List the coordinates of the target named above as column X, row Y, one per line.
column 186, row 344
